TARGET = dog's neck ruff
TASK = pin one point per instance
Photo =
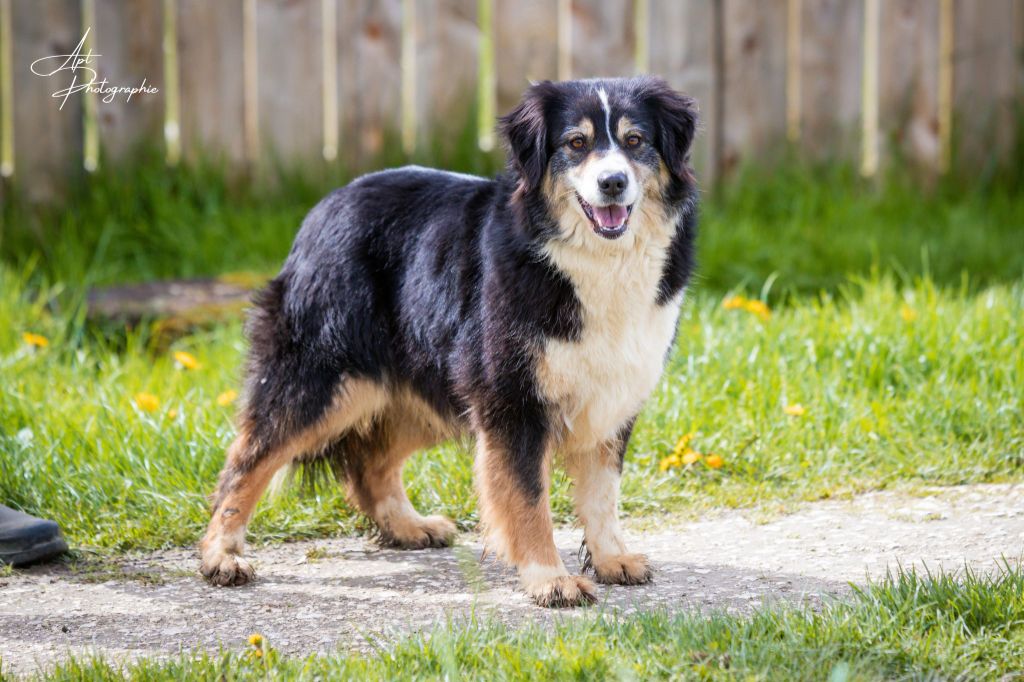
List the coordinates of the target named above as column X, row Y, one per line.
column 599, row 381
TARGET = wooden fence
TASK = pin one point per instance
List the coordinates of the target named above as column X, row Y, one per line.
column 331, row 81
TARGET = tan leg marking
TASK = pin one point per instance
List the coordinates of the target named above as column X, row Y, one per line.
column 596, row 496
column 242, row 482
column 375, row 484
column 519, row 531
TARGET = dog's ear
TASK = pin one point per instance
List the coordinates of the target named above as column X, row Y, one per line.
column 526, row 135
column 677, row 122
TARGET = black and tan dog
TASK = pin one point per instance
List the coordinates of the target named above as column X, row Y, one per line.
column 534, row 311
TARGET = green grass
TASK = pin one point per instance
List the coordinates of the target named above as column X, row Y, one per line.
column 900, row 384
column 809, row 228
column 805, row 227
column 907, row 626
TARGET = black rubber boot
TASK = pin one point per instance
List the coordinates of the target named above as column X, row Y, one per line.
column 25, row 539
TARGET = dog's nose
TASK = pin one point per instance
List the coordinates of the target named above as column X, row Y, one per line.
column 612, row 183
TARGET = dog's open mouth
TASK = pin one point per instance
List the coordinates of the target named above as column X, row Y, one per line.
column 608, row 221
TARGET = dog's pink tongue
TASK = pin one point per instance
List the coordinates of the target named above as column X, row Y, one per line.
column 610, row 216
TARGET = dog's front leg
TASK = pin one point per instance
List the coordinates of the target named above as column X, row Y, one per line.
column 513, row 483
column 596, row 475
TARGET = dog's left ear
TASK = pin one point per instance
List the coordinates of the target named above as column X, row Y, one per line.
column 677, row 117
column 525, row 132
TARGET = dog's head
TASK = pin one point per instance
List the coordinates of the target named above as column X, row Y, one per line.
column 599, row 150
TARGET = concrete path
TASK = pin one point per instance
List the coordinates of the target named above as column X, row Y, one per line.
column 319, row 596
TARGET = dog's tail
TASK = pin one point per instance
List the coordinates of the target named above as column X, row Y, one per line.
column 284, row 392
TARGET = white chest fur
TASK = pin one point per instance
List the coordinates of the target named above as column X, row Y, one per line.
column 600, row 381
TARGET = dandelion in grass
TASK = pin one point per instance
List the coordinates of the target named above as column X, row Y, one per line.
column 907, row 313
column 683, row 444
column 760, row 309
column 682, row 454
column 35, row 340
column 795, row 410
column 227, row 397
column 754, row 307
column 172, row 413
column 255, row 654
column 186, row 360
column 147, row 402
column 734, row 302
column 670, row 462
column 714, row 461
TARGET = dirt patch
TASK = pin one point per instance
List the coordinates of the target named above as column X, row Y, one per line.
column 348, row 593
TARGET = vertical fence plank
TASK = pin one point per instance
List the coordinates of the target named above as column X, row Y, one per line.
column 290, row 68
column 128, row 34
column 526, row 47
column 210, row 58
column 6, row 95
column 908, row 81
column 681, row 51
column 984, row 87
column 754, row 107
column 446, row 71
column 603, row 38
column 1018, row 24
column 487, row 80
column 830, row 63
column 47, row 139
column 369, row 69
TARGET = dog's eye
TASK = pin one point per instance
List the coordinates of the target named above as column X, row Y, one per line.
column 633, row 140
column 577, row 142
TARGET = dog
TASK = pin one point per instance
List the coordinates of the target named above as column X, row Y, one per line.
column 534, row 311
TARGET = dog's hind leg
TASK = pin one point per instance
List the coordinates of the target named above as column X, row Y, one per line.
column 256, row 454
column 373, row 465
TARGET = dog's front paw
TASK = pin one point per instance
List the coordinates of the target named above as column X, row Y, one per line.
column 226, row 570
column 427, row 531
column 623, row 569
column 564, row 591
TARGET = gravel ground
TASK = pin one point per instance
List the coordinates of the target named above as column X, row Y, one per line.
column 319, row 596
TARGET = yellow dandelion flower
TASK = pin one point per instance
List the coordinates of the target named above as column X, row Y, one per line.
column 907, row 313
column 714, row 461
column 669, row 462
column 186, row 360
column 758, row 308
column 691, row 456
column 258, row 653
column 683, row 444
column 734, row 302
column 147, row 402
column 36, row 340
column 172, row 413
column 226, row 398
column 795, row 410
column 256, row 639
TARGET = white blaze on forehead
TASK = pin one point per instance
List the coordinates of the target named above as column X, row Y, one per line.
column 607, row 114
